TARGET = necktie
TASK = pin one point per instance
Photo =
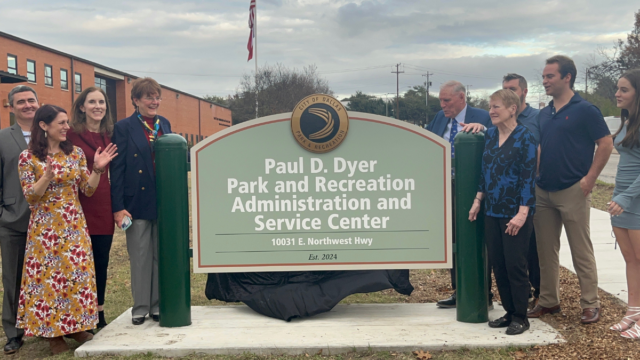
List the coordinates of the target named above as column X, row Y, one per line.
column 452, row 135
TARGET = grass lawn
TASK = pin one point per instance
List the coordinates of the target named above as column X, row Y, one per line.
column 430, row 286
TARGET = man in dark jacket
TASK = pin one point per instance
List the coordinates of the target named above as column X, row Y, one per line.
column 14, row 210
column 455, row 114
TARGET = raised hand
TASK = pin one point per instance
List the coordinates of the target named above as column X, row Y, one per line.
column 48, row 170
column 103, row 158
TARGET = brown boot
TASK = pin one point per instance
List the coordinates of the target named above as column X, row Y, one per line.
column 81, row 337
column 58, row 345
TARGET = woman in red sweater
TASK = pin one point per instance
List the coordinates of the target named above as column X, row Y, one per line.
column 91, row 128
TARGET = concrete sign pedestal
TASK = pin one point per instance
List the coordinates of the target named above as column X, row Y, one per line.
column 377, row 327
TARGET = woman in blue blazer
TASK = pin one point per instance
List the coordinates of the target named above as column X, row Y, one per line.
column 133, row 193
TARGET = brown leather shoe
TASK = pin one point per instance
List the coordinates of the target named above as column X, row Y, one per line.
column 590, row 315
column 58, row 345
column 81, row 337
column 540, row 310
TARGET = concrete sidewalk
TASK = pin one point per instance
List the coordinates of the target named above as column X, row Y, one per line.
column 612, row 276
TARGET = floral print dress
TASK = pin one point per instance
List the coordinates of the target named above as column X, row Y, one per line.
column 58, row 291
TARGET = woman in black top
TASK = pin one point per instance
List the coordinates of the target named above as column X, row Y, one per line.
column 507, row 185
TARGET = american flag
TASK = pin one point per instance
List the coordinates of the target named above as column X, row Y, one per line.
column 252, row 17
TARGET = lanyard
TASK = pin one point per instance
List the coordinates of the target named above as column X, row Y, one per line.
column 153, row 132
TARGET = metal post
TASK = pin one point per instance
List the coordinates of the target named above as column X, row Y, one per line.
column 471, row 255
column 173, row 231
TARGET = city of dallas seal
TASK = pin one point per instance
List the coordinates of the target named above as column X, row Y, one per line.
column 319, row 123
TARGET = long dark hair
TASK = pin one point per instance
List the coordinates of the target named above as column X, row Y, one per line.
column 632, row 115
column 78, row 119
column 39, row 145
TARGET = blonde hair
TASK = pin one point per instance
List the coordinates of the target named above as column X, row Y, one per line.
column 508, row 98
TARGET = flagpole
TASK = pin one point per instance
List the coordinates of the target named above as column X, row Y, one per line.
column 255, row 33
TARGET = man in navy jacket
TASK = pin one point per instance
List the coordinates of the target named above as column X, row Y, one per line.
column 455, row 114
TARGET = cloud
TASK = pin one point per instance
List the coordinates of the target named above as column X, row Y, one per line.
column 199, row 46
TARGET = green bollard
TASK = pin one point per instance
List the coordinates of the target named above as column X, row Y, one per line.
column 173, row 231
column 472, row 285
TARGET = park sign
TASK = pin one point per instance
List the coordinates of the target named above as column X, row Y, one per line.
column 321, row 189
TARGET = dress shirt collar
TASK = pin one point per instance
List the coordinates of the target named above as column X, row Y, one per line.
column 462, row 115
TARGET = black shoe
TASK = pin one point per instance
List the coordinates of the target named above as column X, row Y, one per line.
column 13, row 345
column 137, row 320
column 518, row 326
column 101, row 321
column 500, row 322
column 448, row 303
column 155, row 317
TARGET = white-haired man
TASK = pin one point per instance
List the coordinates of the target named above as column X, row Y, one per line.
column 455, row 114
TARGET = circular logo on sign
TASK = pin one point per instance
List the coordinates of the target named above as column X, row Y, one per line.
column 319, row 123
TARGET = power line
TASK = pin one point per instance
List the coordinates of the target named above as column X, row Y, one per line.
column 352, row 70
column 448, row 72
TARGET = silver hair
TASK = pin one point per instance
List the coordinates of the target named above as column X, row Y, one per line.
column 19, row 89
column 456, row 86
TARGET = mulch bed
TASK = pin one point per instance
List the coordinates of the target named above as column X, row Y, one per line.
column 593, row 341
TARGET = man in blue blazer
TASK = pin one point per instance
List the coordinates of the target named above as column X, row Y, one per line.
column 453, row 117
column 133, row 193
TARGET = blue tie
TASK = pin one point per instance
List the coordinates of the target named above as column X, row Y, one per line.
column 452, row 136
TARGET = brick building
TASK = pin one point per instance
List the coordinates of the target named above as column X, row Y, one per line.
column 58, row 78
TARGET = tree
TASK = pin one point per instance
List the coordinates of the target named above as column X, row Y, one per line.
column 480, row 102
column 279, row 90
column 625, row 56
column 414, row 109
column 217, row 100
column 606, row 106
column 367, row 104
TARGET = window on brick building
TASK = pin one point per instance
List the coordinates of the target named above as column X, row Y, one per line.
column 64, row 80
column 78, row 82
column 101, row 83
column 48, row 75
column 12, row 64
column 31, row 71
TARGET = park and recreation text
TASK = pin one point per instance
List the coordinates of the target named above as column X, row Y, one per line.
column 329, row 195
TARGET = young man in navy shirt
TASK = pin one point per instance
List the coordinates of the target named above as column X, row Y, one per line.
column 570, row 128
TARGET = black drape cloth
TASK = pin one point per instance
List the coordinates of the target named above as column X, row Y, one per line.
column 287, row 295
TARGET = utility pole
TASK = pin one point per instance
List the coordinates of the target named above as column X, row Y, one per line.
column 397, row 72
column 586, row 81
column 386, row 103
column 427, row 84
column 469, row 92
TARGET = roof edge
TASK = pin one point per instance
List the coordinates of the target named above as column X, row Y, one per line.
column 95, row 64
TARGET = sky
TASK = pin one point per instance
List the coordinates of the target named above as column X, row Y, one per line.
column 200, row 46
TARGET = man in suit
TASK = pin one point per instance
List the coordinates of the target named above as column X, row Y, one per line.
column 14, row 210
column 133, row 193
column 453, row 117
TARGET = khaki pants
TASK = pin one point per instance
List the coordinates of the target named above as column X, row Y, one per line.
column 568, row 207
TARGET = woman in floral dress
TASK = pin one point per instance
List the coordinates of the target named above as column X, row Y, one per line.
column 58, row 291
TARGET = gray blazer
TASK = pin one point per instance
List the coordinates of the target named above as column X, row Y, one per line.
column 14, row 210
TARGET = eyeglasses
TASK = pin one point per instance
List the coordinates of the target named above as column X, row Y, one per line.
column 147, row 98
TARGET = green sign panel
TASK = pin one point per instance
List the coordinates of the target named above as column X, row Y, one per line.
column 263, row 200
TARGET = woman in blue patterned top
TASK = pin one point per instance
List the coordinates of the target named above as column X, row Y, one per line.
column 507, row 185
column 625, row 205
